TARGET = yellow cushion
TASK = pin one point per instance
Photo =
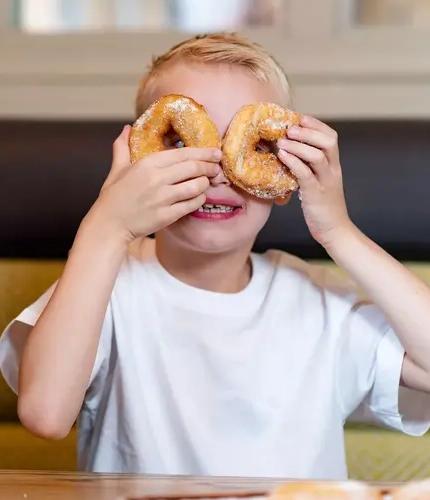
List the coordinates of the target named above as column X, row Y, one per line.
column 21, row 283
column 374, row 454
column 21, row 450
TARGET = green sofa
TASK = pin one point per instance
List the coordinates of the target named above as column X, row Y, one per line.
column 372, row 453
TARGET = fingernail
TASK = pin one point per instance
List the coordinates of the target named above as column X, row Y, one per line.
column 293, row 131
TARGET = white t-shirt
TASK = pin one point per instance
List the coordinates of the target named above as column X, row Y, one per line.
column 257, row 383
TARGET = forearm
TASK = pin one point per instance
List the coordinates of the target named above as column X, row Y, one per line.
column 404, row 298
column 59, row 355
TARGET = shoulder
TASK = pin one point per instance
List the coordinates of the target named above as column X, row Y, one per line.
column 322, row 276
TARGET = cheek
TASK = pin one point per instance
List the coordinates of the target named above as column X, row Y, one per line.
column 258, row 211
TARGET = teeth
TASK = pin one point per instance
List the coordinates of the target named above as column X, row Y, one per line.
column 214, row 209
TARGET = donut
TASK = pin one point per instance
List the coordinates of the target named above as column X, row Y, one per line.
column 414, row 490
column 331, row 490
column 184, row 115
column 260, row 174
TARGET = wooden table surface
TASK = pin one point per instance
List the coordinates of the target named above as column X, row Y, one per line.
column 25, row 485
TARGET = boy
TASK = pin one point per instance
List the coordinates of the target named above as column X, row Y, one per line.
column 192, row 355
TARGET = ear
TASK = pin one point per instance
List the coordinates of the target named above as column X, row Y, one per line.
column 283, row 201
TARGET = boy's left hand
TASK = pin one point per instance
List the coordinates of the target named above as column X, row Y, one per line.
column 311, row 152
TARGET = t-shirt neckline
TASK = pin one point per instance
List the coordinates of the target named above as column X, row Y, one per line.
column 190, row 297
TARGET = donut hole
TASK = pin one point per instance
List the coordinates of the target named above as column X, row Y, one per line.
column 265, row 146
column 172, row 140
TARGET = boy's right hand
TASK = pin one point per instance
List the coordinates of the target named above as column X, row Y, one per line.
column 140, row 199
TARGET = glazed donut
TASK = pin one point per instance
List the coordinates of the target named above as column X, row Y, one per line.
column 309, row 490
column 184, row 115
column 260, row 174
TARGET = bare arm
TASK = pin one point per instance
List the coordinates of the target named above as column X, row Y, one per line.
column 59, row 355
column 136, row 200
column 312, row 153
column 398, row 292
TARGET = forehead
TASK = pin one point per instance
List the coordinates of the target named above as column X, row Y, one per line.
column 221, row 90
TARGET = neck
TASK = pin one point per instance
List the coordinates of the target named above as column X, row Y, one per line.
column 227, row 272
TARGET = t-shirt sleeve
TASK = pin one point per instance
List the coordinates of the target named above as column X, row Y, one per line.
column 369, row 362
column 13, row 339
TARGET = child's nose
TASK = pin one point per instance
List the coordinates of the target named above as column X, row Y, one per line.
column 219, row 179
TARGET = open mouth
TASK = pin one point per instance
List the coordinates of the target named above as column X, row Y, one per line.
column 218, row 209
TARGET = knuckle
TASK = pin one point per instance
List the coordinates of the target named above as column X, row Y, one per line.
column 196, row 186
column 191, row 189
column 194, row 167
column 188, row 190
column 164, row 218
column 146, row 169
column 292, row 161
column 332, row 144
column 148, row 161
column 184, row 154
column 150, row 186
column 319, row 157
column 161, row 196
column 203, row 183
column 306, row 174
column 195, row 203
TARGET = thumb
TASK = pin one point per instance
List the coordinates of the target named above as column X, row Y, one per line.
column 121, row 150
column 120, row 157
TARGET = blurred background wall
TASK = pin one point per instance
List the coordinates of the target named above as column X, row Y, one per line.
column 68, row 76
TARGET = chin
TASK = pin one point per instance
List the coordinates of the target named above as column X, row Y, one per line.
column 210, row 240
column 210, row 237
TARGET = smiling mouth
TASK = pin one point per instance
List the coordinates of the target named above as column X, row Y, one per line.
column 218, row 209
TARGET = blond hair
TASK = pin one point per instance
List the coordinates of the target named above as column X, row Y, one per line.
column 218, row 48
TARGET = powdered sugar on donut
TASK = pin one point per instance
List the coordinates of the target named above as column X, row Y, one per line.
column 261, row 174
column 187, row 118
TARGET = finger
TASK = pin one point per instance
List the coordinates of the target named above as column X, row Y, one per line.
column 312, row 137
column 120, row 156
column 186, row 207
column 317, row 138
column 304, row 174
column 121, row 149
column 181, row 172
column 316, row 158
column 307, row 121
column 187, row 190
column 171, row 156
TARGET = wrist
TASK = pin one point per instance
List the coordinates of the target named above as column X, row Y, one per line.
column 96, row 232
column 340, row 240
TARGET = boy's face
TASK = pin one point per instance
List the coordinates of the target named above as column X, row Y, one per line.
column 222, row 91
